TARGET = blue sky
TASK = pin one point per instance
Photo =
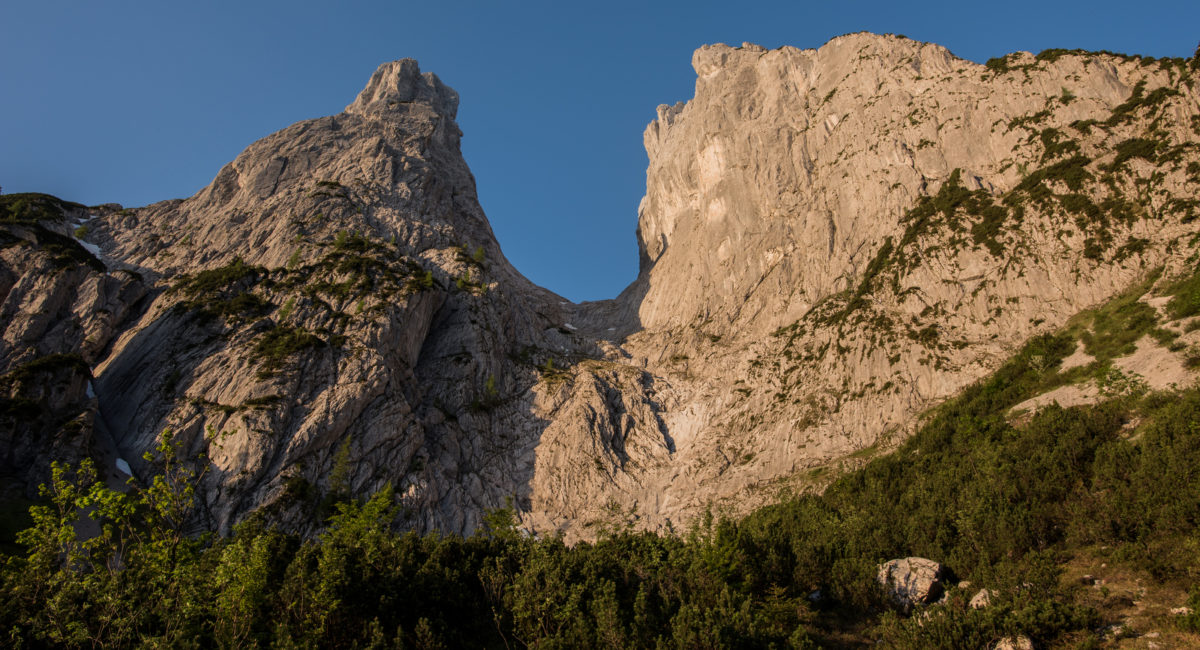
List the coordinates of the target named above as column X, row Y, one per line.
column 136, row 102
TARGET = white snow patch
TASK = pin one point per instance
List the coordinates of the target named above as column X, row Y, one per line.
column 87, row 246
column 563, row 302
column 570, row 326
column 124, row 466
column 91, row 248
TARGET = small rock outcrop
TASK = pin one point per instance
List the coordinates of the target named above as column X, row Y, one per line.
column 981, row 599
column 912, row 581
column 1019, row 642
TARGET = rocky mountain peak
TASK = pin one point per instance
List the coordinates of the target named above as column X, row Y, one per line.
column 832, row 241
column 754, row 173
column 402, row 82
column 389, row 166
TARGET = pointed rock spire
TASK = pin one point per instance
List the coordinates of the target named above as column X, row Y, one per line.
column 401, row 82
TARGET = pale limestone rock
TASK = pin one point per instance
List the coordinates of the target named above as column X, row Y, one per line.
column 1019, row 642
column 759, row 341
column 981, row 599
column 420, row 388
column 912, row 581
column 770, row 193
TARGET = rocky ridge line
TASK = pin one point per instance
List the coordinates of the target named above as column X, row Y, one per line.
column 832, row 241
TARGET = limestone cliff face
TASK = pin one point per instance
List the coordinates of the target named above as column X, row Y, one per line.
column 774, row 186
column 832, row 241
column 333, row 314
column 60, row 307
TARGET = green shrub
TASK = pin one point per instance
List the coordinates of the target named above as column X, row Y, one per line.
column 1056, row 145
column 1135, row 148
column 51, row 364
column 1185, row 297
column 30, row 208
column 64, row 252
column 1191, row 621
column 998, row 65
column 215, row 281
column 277, row 344
column 225, row 292
column 350, row 241
column 1139, row 100
column 1072, row 172
column 999, row 502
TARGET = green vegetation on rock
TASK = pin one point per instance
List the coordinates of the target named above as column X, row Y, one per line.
column 1003, row 503
column 277, row 344
column 225, row 291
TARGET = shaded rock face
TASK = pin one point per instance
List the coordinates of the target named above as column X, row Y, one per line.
column 831, row 241
column 60, row 307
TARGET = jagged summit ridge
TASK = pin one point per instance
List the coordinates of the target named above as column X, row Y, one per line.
column 395, row 151
column 402, row 82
